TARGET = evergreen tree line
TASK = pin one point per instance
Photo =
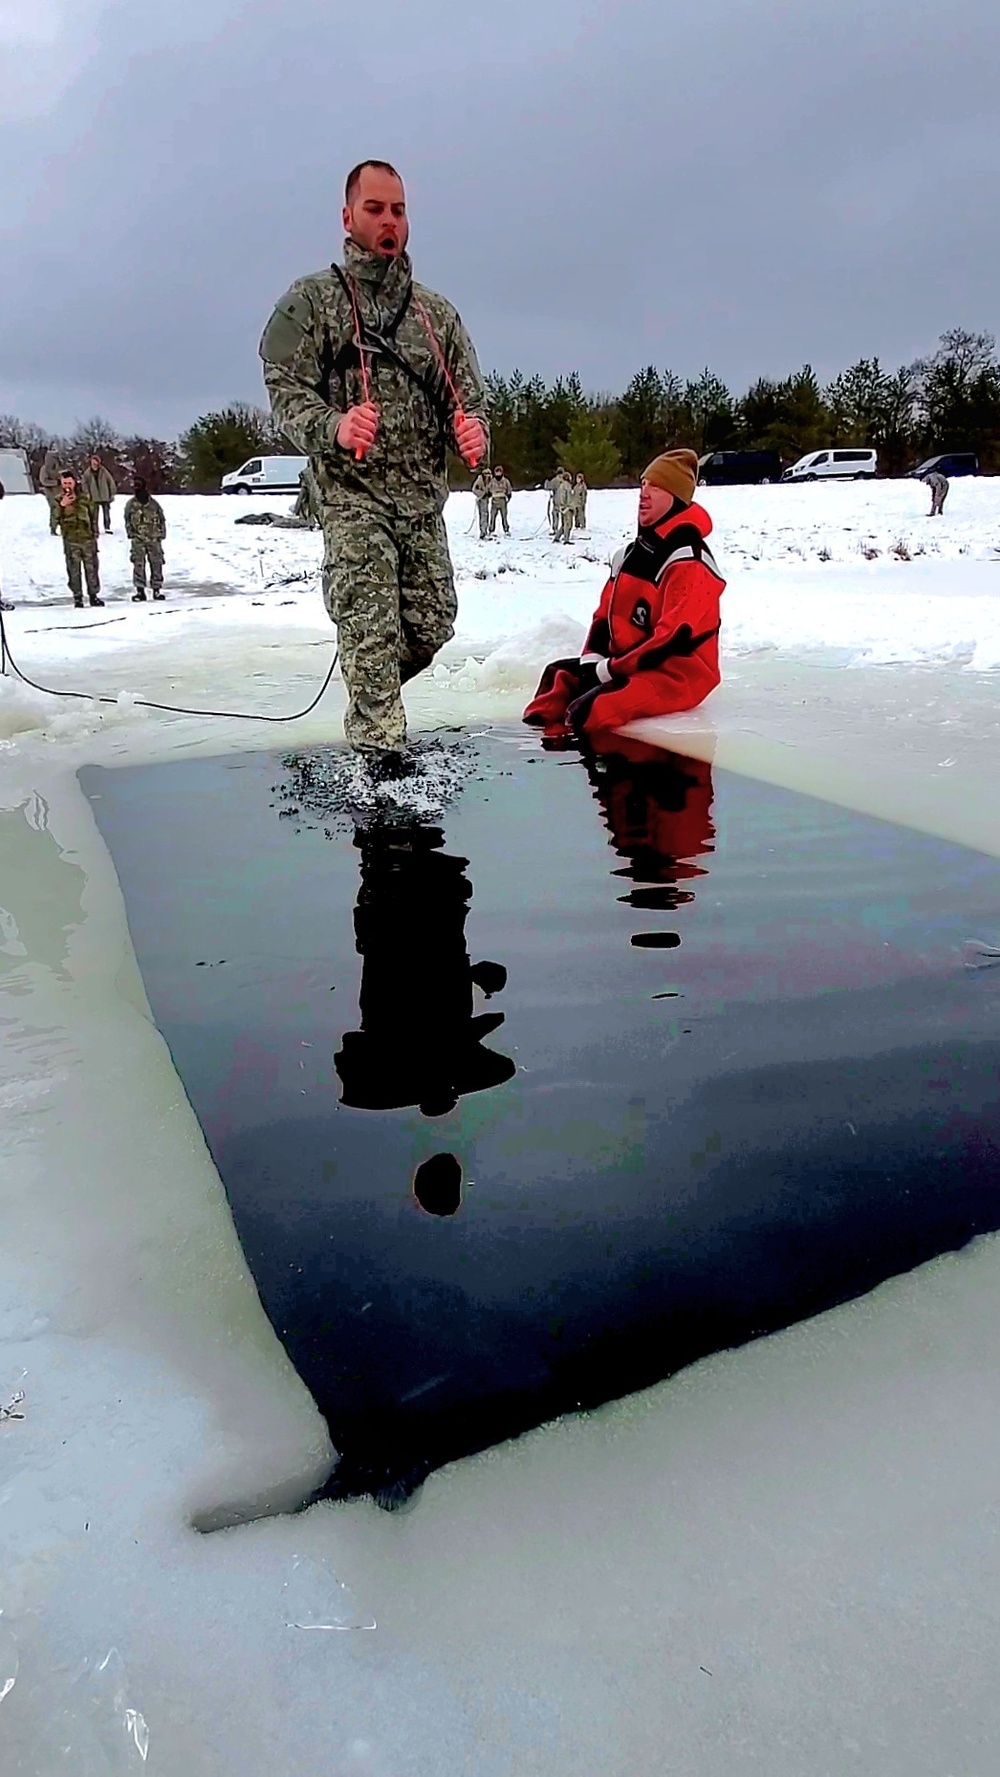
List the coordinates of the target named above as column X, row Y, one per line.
column 947, row 401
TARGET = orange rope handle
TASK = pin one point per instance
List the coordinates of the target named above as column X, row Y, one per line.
column 366, row 386
column 439, row 354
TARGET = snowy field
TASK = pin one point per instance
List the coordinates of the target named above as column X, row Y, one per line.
column 784, row 1561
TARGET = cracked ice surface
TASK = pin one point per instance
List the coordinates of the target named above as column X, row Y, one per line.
column 783, row 1560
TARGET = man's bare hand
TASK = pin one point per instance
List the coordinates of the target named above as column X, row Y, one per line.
column 470, row 439
column 358, row 427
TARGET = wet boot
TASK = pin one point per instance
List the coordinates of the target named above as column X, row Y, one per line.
column 139, row 598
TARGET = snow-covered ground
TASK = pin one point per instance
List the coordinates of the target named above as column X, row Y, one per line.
column 783, row 1561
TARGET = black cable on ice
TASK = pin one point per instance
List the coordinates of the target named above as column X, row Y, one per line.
column 149, row 703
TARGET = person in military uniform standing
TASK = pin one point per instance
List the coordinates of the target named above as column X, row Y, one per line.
column 78, row 523
column 145, row 528
column 99, row 487
column 49, row 480
column 307, row 504
column 580, row 503
column 565, row 505
column 499, row 501
column 482, row 493
column 374, row 377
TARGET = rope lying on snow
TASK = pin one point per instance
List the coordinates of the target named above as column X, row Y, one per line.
column 148, row 703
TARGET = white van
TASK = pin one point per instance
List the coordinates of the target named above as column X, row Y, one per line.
column 834, row 465
column 265, row 475
column 14, row 472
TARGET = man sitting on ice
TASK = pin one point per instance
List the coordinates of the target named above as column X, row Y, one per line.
column 653, row 644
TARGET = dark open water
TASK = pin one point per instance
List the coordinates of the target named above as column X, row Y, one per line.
column 614, row 1067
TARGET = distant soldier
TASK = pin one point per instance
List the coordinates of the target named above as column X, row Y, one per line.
column 307, row 504
column 580, row 503
column 77, row 520
column 502, row 492
column 374, row 377
column 98, row 485
column 550, row 489
column 565, row 501
column 49, row 481
column 939, row 486
column 482, row 490
column 5, row 604
column 145, row 528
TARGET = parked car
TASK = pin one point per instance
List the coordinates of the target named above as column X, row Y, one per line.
column 14, row 472
column 265, row 475
column 729, row 468
column 834, row 465
column 954, row 462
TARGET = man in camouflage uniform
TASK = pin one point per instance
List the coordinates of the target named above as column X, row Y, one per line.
column 49, row 480
column 939, row 486
column 502, row 492
column 565, row 504
column 482, row 492
column 580, row 503
column 307, row 505
column 374, row 377
column 145, row 528
column 98, row 485
column 78, row 523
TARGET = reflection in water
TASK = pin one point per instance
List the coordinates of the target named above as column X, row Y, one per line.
column 419, row 1043
column 658, row 809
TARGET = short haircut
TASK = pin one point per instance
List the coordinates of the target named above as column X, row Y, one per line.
column 354, row 176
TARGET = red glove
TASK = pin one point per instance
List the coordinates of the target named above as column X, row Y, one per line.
column 470, row 439
column 357, row 429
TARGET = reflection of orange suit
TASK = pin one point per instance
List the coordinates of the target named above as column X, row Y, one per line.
column 658, row 808
column 653, row 644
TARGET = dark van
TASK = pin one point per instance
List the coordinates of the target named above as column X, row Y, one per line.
column 953, row 462
column 728, row 468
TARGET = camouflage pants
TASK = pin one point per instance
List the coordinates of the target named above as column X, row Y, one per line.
column 142, row 553
column 52, row 499
column 565, row 531
column 938, row 498
column 580, row 515
column 483, row 511
column 498, row 509
column 81, row 560
column 387, row 585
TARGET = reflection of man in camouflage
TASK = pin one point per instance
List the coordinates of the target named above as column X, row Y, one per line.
column 78, row 523
column 145, row 528
column 49, row 481
column 482, row 492
column 375, row 376
column 307, row 505
column 580, row 503
column 502, row 492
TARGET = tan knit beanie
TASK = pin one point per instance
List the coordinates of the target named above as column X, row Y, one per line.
column 676, row 471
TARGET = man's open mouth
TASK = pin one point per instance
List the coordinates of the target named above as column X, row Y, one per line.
column 388, row 243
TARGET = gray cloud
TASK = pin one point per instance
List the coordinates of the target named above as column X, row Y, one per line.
column 597, row 186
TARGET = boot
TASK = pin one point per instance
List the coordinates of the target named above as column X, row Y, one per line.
column 96, row 599
column 159, row 595
column 78, row 604
column 139, row 598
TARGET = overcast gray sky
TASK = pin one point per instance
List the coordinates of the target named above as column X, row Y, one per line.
column 744, row 183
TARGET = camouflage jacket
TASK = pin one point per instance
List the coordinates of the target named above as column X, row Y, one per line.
column 144, row 521
column 78, row 523
column 482, row 487
column 562, row 494
column 49, row 473
column 99, row 485
column 313, row 374
column 502, row 488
